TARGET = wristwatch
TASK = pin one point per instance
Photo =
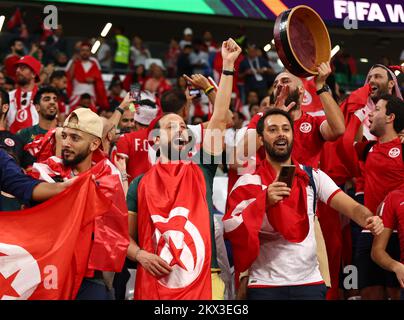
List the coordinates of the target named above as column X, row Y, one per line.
column 325, row 88
column 228, row 72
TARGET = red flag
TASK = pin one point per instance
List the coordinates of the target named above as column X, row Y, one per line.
column 243, row 219
column 246, row 208
column 173, row 222
column 43, row 147
column 109, row 246
column 339, row 160
column 15, row 20
column 38, row 246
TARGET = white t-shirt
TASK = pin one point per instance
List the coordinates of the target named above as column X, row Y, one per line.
column 283, row 263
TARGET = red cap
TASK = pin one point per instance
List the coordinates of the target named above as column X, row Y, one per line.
column 31, row 62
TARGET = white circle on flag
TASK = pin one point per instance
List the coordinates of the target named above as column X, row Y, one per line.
column 19, row 271
column 181, row 276
column 394, row 152
column 305, row 127
column 22, row 115
column 307, row 98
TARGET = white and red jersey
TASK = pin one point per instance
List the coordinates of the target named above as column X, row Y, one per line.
column 384, row 171
column 78, row 84
column 392, row 213
column 22, row 112
column 81, row 87
column 281, row 262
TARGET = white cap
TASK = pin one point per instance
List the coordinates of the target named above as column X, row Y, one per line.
column 150, row 61
column 145, row 114
column 188, row 31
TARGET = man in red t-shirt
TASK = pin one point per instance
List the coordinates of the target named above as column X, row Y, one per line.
column 392, row 213
column 384, row 172
column 133, row 146
column 310, row 132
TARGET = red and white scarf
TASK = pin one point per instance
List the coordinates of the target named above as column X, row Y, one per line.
column 23, row 114
column 247, row 204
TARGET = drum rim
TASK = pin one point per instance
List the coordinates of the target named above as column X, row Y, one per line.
column 289, row 13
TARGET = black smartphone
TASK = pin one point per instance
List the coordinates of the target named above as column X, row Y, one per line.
column 135, row 92
column 287, row 174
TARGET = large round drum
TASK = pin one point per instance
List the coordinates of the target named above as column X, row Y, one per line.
column 301, row 40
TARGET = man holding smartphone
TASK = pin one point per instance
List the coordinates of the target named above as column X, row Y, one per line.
column 271, row 226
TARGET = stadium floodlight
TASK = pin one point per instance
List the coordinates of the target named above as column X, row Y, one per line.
column 95, row 47
column 267, row 47
column 106, row 29
column 335, row 50
column 2, row 18
column 364, row 60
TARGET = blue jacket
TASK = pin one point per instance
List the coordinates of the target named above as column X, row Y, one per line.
column 13, row 180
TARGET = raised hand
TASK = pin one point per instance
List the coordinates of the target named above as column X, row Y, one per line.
column 198, row 81
column 126, row 101
column 230, row 51
column 324, row 70
column 281, row 99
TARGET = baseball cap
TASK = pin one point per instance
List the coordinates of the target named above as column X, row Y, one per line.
column 31, row 62
column 187, row 31
column 87, row 121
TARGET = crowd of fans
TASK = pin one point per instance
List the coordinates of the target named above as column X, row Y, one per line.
column 43, row 88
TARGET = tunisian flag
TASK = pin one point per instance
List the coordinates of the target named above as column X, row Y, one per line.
column 40, row 247
column 174, row 223
column 111, row 239
column 246, row 207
